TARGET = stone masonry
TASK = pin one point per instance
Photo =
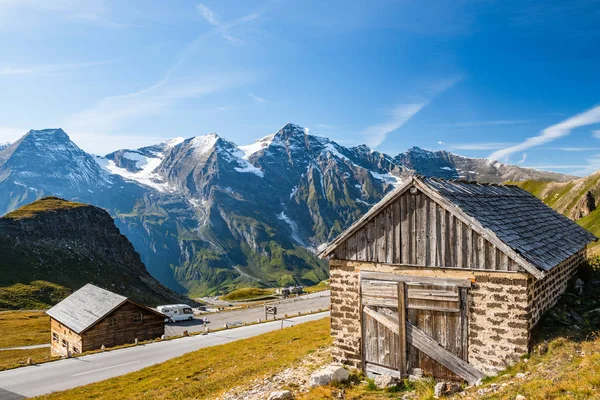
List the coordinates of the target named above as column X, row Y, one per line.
column 546, row 292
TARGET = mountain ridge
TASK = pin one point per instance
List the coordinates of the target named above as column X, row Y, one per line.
column 208, row 216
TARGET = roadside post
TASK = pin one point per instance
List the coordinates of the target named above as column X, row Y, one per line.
column 270, row 310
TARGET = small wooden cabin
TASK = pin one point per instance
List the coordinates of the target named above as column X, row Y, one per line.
column 92, row 317
column 448, row 277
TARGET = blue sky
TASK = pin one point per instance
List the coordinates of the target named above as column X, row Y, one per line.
column 515, row 81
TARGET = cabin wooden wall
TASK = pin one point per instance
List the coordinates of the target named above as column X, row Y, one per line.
column 415, row 230
column 151, row 327
column 71, row 339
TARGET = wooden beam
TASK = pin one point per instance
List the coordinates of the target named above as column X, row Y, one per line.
column 382, row 276
column 382, row 319
column 379, row 370
column 402, row 348
column 433, row 349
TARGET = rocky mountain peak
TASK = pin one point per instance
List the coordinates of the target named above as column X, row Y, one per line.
column 291, row 130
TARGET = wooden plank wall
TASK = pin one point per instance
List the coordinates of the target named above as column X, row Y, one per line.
column 415, row 230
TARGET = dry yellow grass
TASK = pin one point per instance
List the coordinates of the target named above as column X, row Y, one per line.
column 24, row 328
column 18, row 358
column 206, row 373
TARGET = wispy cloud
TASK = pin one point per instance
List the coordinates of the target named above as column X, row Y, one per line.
column 400, row 114
column 376, row 134
column 523, row 159
column 13, row 12
column 478, row 146
column 256, row 98
column 110, row 112
column 47, row 69
column 468, row 124
column 596, row 134
column 551, row 133
column 573, row 149
column 591, row 164
column 224, row 28
column 325, row 126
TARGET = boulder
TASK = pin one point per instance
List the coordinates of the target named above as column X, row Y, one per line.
column 439, row 389
column 329, row 374
column 281, row 395
column 520, row 397
column 384, row 381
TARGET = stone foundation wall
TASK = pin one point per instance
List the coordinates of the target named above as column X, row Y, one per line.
column 498, row 320
column 499, row 312
column 545, row 293
column 345, row 315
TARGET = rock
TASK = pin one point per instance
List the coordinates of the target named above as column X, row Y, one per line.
column 384, row 381
column 542, row 348
column 327, row 375
column 281, row 395
column 576, row 316
column 520, row 397
column 439, row 389
column 453, row 388
column 479, row 382
column 520, row 375
column 579, row 285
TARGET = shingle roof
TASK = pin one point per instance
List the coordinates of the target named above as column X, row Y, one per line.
column 85, row 307
column 535, row 231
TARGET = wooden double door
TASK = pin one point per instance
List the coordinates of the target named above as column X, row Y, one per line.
column 411, row 322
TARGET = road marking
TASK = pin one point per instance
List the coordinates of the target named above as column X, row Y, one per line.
column 103, row 369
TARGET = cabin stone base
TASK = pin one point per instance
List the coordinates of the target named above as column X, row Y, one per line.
column 503, row 308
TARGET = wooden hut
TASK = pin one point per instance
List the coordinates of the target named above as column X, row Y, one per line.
column 92, row 317
column 449, row 278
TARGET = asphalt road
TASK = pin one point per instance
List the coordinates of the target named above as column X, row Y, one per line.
column 292, row 306
column 66, row 374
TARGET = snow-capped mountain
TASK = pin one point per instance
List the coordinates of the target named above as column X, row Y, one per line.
column 448, row 165
column 206, row 214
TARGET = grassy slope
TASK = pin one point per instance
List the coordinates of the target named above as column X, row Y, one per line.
column 206, row 373
column 247, row 294
column 49, row 204
column 23, row 328
column 31, row 296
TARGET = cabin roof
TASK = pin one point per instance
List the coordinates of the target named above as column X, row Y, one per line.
column 85, row 307
column 537, row 236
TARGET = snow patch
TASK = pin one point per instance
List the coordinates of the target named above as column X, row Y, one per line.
column 146, row 176
column 293, row 226
column 446, row 168
column 387, row 178
column 257, row 146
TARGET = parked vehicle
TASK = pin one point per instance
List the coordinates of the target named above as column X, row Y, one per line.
column 177, row 312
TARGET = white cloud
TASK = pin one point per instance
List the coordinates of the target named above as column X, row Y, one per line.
column 551, row 133
column 256, row 98
column 208, row 15
column 523, row 159
column 325, row 126
column 468, row 124
column 376, row 134
column 48, row 69
column 440, row 143
column 111, row 111
column 596, row 134
column 224, row 28
column 478, row 146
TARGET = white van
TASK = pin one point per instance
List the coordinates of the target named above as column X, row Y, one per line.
column 177, row 312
